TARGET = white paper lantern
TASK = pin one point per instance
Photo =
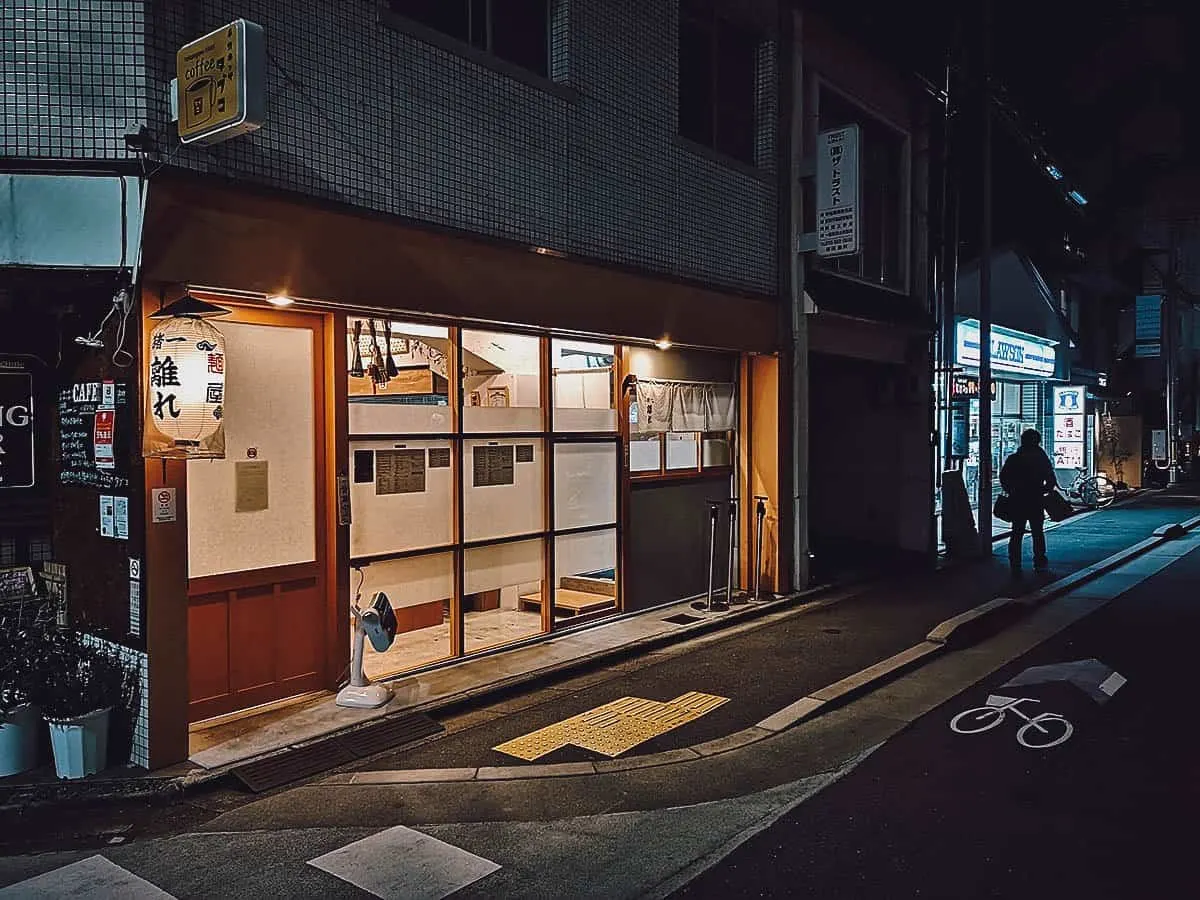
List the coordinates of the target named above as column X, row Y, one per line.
column 185, row 399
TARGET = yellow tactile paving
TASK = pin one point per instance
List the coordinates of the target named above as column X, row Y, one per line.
column 614, row 728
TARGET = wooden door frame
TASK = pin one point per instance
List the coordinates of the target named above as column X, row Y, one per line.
column 330, row 540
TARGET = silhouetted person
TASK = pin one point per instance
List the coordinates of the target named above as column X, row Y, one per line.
column 1026, row 477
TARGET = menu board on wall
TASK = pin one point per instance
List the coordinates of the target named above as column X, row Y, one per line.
column 492, row 466
column 399, row 471
column 92, row 426
column 439, row 457
column 524, row 453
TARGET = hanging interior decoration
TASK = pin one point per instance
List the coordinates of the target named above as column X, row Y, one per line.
column 376, row 368
column 185, row 384
column 356, row 366
column 392, row 371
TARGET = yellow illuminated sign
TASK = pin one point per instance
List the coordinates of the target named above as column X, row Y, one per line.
column 218, row 83
column 615, row 727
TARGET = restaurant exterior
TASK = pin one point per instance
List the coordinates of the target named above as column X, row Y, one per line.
column 495, row 465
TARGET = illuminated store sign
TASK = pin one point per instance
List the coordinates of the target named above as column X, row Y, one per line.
column 1012, row 351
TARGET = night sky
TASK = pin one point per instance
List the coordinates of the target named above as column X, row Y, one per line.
column 1105, row 87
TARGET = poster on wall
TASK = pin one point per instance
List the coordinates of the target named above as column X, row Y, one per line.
column 93, row 427
column 399, row 472
column 492, row 466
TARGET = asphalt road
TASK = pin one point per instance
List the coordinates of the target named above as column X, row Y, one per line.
column 1109, row 812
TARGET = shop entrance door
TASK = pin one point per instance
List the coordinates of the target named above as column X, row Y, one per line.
column 258, row 587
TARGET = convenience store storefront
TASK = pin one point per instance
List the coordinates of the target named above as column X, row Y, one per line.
column 1025, row 371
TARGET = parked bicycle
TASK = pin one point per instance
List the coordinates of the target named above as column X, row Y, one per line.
column 1039, row 732
column 1092, row 491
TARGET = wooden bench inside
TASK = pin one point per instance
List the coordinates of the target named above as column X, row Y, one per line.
column 568, row 602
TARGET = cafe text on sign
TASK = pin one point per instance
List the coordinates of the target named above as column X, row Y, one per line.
column 220, row 84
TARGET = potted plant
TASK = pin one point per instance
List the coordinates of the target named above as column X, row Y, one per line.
column 78, row 687
column 19, row 718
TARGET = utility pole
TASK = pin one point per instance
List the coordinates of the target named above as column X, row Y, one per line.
column 985, row 296
column 1169, row 353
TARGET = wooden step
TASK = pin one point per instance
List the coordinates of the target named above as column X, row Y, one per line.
column 568, row 602
column 587, row 585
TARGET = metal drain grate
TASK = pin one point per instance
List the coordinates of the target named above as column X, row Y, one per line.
column 390, row 734
column 387, row 734
column 266, row 774
column 683, row 619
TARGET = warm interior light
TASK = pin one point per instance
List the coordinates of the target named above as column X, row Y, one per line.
column 663, row 343
column 280, row 300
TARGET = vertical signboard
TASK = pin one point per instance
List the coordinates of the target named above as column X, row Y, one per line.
column 1069, row 427
column 16, row 428
column 1147, row 326
column 837, row 192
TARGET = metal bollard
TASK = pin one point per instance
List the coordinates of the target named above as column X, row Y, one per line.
column 711, row 604
column 760, row 515
column 732, row 595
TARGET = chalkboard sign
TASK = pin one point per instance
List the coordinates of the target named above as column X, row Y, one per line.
column 78, row 436
column 17, row 583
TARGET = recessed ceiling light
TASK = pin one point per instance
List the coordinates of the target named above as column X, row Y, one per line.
column 663, row 343
column 280, row 300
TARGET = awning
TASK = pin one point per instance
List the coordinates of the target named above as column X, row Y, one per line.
column 1021, row 299
column 204, row 233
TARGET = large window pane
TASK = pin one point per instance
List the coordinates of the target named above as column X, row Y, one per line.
column 520, row 33
column 401, row 496
column 502, row 593
column 419, row 589
column 645, row 454
column 583, row 386
column 683, row 450
column 502, row 488
column 501, row 382
column 404, row 391
column 585, row 484
column 585, row 573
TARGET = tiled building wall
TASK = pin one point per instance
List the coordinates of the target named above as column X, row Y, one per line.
column 74, row 77
column 366, row 114
column 140, row 749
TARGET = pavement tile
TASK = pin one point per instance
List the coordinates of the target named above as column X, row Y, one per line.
column 403, row 862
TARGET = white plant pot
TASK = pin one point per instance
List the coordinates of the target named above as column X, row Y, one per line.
column 19, row 740
column 80, row 744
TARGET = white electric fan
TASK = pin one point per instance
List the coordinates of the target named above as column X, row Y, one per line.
column 377, row 622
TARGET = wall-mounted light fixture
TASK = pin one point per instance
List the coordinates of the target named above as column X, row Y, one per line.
column 280, row 300
column 663, row 343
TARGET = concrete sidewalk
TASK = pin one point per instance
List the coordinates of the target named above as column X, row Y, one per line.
column 888, row 617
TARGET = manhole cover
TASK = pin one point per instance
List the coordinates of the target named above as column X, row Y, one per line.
column 682, row 619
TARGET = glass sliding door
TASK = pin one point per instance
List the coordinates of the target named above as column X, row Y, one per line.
column 403, row 469
column 484, row 484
